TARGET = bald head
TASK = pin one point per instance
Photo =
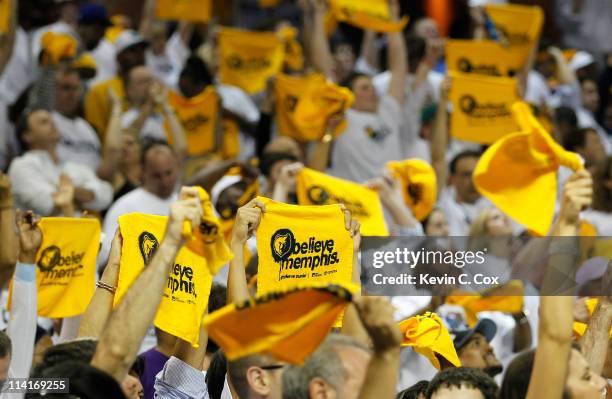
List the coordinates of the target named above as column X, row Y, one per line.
column 159, row 170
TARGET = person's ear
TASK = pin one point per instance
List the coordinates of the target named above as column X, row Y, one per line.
column 319, row 389
column 258, row 380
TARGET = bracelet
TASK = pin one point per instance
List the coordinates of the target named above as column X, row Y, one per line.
column 106, row 287
column 327, row 138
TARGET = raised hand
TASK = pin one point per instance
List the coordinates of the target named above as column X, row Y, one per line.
column 30, row 236
column 247, row 221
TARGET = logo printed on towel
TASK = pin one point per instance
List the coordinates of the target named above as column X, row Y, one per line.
column 464, row 65
column 51, row 260
column 148, row 245
column 514, row 38
column 471, row 107
column 293, row 255
column 281, row 243
column 234, row 61
column 319, row 196
column 209, row 232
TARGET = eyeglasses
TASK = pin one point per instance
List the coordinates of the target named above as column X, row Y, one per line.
column 272, row 367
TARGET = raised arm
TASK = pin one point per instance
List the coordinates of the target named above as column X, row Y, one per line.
column 376, row 314
column 555, row 330
column 285, row 184
column 111, row 153
column 101, row 304
column 8, row 244
column 439, row 139
column 396, row 58
column 24, row 308
column 390, row 193
column 368, row 52
column 565, row 74
column 247, row 222
column 128, row 324
column 7, row 40
column 321, row 56
column 594, row 343
column 148, row 18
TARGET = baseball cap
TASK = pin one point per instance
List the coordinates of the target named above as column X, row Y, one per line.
column 129, row 38
column 486, row 327
column 91, row 14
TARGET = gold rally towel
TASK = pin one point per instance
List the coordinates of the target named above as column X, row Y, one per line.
column 483, row 57
column 184, row 10
column 305, row 103
column 249, row 58
column 66, row 265
column 366, row 14
column 207, row 239
column 300, row 244
column 186, row 293
column 518, row 173
column 419, row 187
column 428, row 337
column 5, row 15
column 520, row 25
column 316, row 188
column 294, row 57
column 198, row 115
column 482, row 107
column 287, row 324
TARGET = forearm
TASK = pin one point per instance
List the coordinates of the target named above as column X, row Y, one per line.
column 112, row 146
column 100, row 306
column 148, row 17
column 190, row 355
column 135, row 127
column 594, row 343
column 22, row 324
column 8, row 41
column 178, row 133
column 401, row 214
column 368, row 49
column 381, row 376
column 186, row 29
column 8, row 243
column 319, row 157
column 237, row 287
column 564, row 72
column 321, row 54
column 128, row 325
column 352, row 325
column 522, row 333
column 396, row 58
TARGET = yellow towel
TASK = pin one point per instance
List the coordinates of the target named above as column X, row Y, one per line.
column 418, row 181
column 428, row 337
column 305, row 103
column 5, row 16
column 482, row 107
column 186, row 293
column 66, row 265
column 57, row 47
column 316, row 188
column 287, row 324
column 483, row 57
column 300, row 244
column 249, row 58
column 508, row 299
column 184, row 10
column 294, row 57
column 366, row 14
column 521, row 25
column 518, row 173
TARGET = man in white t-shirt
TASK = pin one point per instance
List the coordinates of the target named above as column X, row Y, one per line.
column 78, row 143
column 160, row 174
column 166, row 56
column 460, row 201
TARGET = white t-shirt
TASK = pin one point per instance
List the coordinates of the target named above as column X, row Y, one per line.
column 413, row 146
column 17, row 74
column 460, row 215
column 168, row 65
column 238, row 102
column 79, row 143
column 137, row 200
column 105, row 56
column 368, row 143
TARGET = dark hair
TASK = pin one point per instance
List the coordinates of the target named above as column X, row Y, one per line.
column 215, row 376
column 195, row 68
column 566, row 115
column 415, row 50
column 81, row 350
column 23, row 125
column 86, row 382
column 216, row 300
column 460, row 156
column 518, row 374
column 466, row 377
column 602, row 197
column 151, row 144
column 413, row 391
column 350, row 79
column 6, row 347
column 577, row 138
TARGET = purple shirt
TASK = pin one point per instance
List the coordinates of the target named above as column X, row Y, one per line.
column 153, row 363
